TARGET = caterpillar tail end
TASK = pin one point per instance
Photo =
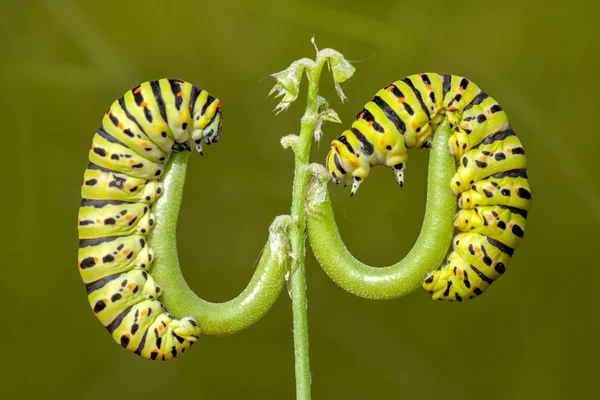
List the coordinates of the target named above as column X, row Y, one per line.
column 439, row 284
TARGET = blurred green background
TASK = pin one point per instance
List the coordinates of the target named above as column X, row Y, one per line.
column 533, row 335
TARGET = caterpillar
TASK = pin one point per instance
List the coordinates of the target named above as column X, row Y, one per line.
column 128, row 155
column 491, row 178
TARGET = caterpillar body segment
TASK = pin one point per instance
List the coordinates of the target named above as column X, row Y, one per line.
column 128, row 155
column 491, row 179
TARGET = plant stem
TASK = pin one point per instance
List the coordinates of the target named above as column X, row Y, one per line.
column 213, row 318
column 427, row 253
column 297, row 236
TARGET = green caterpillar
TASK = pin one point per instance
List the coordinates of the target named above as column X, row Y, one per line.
column 120, row 184
column 491, row 178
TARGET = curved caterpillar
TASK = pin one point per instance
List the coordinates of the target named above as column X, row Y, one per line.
column 491, row 178
column 128, row 155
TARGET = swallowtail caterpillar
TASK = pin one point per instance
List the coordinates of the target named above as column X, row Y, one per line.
column 491, row 179
column 128, row 155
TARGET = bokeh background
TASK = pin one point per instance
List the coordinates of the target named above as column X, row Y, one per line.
column 533, row 335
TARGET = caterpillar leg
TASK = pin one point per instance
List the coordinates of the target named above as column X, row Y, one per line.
column 399, row 172
column 355, row 184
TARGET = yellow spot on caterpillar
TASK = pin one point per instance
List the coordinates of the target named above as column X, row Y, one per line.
column 97, row 220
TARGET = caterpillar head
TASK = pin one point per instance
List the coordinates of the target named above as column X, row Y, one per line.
column 345, row 165
column 208, row 125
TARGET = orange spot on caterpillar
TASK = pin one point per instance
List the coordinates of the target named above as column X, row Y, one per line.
column 219, row 106
column 132, row 161
column 428, row 87
column 490, row 188
column 401, row 99
column 489, row 217
column 180, row 94
column 128, row 217
column 109, row 112
column 477, row 249
column 352, row 163
column 138, row 90
column 362, row 115
column 178, row 82
column 390, row 88
column 371, row 123
column 120, row 125
column 414, row 125
column 144, row 104
column 144, row 312
column 97, row 221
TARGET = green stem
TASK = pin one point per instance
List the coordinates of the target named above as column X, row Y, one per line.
column 428, row 252
column 213, row 318
column 297, row 233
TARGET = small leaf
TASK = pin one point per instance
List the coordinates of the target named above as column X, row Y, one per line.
column 288, row 83
column 289, row 141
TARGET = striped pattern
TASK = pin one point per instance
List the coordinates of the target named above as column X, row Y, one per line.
column 491, row 178
column 128, row 155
